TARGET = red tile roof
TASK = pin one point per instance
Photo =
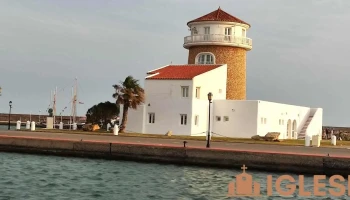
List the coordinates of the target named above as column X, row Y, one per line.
column 219, row 15
column 180, row 72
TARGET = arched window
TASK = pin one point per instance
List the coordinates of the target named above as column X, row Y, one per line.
column 205, row 58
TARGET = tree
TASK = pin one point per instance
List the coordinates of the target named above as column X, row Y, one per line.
column 130, row 94
column 102, row 112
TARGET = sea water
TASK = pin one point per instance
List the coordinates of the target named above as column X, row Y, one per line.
column 35, row 177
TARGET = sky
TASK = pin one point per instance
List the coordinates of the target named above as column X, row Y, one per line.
column 300, row 49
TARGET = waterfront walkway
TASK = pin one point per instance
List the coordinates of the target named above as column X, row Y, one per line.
column 263, row 148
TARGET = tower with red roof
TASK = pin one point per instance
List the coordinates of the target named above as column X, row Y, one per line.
column 220, row 38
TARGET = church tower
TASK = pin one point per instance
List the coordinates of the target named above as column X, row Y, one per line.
column 220, row 38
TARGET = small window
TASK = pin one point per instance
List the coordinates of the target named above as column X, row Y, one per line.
column 183, row 119
column 184, row 91
column 151, row 118
column 205, row 58
column 226, row 118
column 280, row 122
column 264, row 120
column 196, row 118
column 220, row 91
column 198, row 89
column 218, row 118
column 243, row 33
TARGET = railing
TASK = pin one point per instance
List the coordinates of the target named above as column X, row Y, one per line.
column 218, row 38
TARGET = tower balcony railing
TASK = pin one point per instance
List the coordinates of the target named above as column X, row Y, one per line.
column 220, row 39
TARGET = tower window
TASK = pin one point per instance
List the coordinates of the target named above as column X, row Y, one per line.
column 205, row 58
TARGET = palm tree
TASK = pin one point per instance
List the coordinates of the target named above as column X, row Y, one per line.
column 130, row 94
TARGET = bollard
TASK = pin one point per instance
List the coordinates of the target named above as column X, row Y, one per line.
column 74, row 126
column 116, row 130
column 334, row 140
column 307, row 140
column 60, row 126
column 316, row 142
column 28, row 125
column 18, row 125
column 32, row 127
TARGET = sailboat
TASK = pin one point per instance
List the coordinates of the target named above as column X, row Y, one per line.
column 73, row 106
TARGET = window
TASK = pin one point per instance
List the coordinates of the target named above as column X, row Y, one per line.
column 220, row 91
column 218, row 118
column 194, row 31
column 243, row 32
column 198, row 91
column 206, row 33
column 196, row 118
column 226, row 118
column 264, row 120
column 184, row 91
column 280, row 122
column 183, row 120
column 151, row 118
column 205, row 58
column 228, row 34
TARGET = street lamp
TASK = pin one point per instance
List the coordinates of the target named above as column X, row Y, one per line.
column 9, row 125
column 210, row 97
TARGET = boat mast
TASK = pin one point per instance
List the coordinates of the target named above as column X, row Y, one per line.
column 54, row 107
column 75, row 97
column 71, row 110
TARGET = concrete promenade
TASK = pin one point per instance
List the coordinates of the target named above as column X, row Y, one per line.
column 264, row 148
column 272, row 157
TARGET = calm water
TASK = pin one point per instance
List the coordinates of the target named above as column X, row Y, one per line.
column 33, row 177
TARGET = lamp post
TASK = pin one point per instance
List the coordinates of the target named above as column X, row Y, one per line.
column 39, row 116
column 210, row 97
column 9, row 125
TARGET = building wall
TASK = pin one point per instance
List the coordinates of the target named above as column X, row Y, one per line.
column 315, row 126
column 201, row 109
column 164, row 99
column 274, row 117
column 219, row 28
column 235, row 58
column 242, row 118
column 213, row 81
column 136, row 119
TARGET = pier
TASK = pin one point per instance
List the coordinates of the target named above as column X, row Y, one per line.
column 290, row 159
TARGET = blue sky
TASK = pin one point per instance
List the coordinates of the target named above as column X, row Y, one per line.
column 299, row 56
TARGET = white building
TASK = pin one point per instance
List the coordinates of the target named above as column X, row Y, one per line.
column 176, row 95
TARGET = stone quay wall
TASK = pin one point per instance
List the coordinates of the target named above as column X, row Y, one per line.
column 4, row 117
column 300, row 164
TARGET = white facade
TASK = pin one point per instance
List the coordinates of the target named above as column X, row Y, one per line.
column 166, row 103
column 168, row 109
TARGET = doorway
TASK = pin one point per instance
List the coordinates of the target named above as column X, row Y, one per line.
column 294, row 130
column 289, row 129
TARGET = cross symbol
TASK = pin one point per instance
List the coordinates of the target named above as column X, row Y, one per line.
column 244, row 168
